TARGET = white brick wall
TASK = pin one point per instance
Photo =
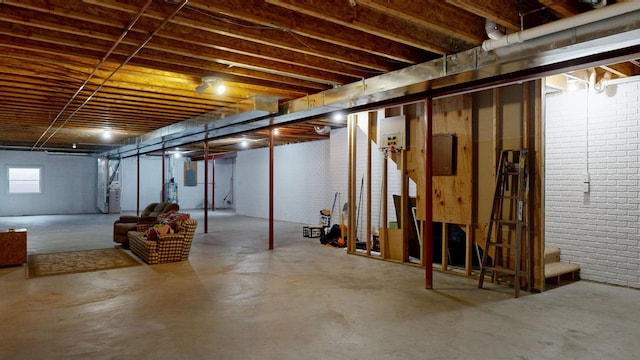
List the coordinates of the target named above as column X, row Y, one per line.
column 300, row 182
column 598, row 134
column 339, row 168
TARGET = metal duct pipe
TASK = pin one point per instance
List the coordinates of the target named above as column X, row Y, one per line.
column 564, row 24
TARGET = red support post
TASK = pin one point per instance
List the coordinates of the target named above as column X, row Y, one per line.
column 213, row 183
column 206, row 185
column 271, row 196
column 164, row 196
column 138, row 184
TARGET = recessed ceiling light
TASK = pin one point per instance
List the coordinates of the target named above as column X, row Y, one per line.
column 106, row 134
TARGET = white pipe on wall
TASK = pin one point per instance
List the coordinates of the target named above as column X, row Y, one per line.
column 492, row 30
column 585, row 18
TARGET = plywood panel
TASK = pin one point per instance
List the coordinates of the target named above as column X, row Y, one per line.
column 416, row 153
column 453, row 195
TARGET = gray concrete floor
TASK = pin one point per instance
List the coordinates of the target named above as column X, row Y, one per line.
column 234, row 299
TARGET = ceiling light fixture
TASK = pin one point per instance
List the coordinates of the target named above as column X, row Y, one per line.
column 322, row 130
column 210, row 81
column 106, row 134
column 337, row 117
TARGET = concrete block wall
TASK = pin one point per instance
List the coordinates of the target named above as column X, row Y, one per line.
column 598, row 135
column 189, row 197
column 68, row 184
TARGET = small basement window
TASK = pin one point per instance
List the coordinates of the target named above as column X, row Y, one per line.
column 25, row 180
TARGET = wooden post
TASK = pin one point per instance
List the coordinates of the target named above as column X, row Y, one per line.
column 384, row 233
column 352, row 122
column 428, row 194
column 445, row 246
column 497, row 126
column 370, row 119
column 403, row 222
column 537, row 175
column 468, row 256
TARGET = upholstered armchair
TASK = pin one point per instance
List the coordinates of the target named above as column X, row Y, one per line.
column 148, row 216
column 164, row 248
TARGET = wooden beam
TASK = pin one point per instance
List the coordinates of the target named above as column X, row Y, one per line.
column 262, row 13
column 503, row 12
column 260, row 81
column 564, row 8
column 368, row 20
column 434, row 14
column 204, row 27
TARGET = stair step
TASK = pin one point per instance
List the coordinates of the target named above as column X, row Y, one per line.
column 551, row 255
column 557, row 269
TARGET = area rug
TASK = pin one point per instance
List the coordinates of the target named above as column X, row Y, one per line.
column 71, row 262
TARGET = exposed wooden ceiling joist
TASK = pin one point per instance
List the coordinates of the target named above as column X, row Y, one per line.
column 62, row 76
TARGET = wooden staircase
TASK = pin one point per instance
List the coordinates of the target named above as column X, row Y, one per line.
column 556, row 270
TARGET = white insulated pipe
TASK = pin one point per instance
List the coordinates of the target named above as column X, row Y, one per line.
column 492, row 30
column 585, row 18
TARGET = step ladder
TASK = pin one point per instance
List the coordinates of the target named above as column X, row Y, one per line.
column 506, row 253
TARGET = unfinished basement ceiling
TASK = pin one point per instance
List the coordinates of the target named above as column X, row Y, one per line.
column 70, row 70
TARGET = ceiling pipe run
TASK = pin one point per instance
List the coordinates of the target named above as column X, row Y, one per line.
column 563, row 24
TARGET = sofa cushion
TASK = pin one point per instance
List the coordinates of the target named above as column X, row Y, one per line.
column 158, row 230
column 173, row 218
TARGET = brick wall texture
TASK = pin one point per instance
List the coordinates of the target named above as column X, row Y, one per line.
column 598, row 134
column 301, row 179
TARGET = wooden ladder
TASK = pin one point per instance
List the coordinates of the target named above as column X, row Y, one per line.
column 506, row 253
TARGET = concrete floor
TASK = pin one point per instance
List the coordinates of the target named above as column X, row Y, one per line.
column 235, row 300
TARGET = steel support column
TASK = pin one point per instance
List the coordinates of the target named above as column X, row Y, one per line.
column 164, row 196
column 206, row 186
column 271, row 197
column 138, row 184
